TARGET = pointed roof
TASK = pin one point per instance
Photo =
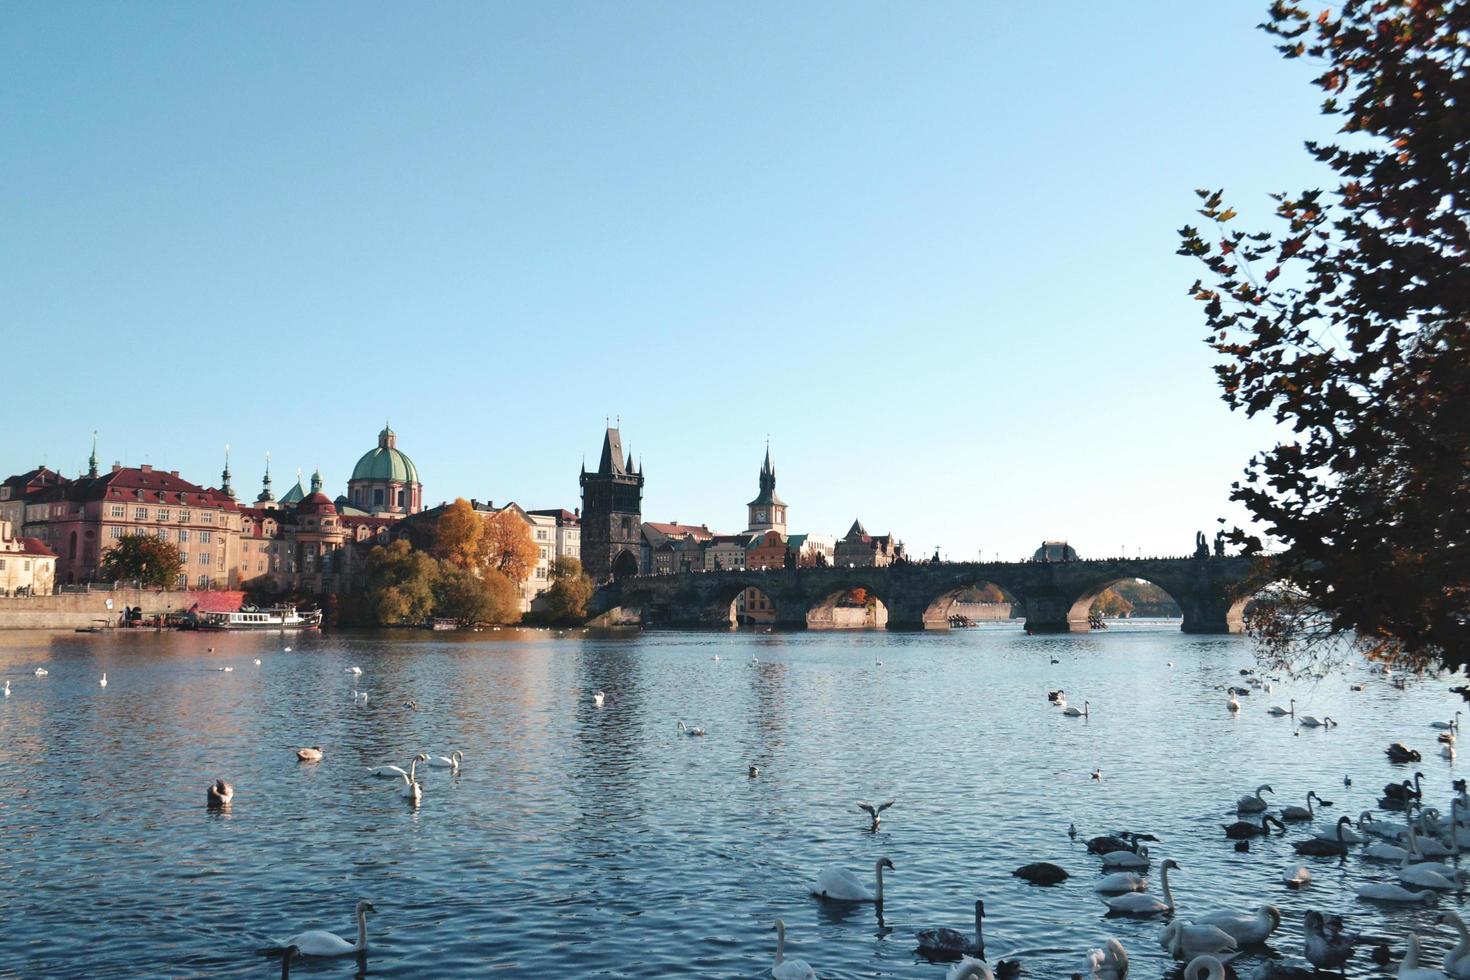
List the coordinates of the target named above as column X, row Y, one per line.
column 296, row 494
column 612, row 463
column 767, row 497
column 857, row 530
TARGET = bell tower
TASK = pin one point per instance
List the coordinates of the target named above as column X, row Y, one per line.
column 767, row 512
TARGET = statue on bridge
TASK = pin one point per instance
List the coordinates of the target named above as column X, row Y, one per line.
column 1201, row 547
column 1219, row 544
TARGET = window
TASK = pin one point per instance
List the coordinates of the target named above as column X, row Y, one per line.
column 183, row 517
column 204, row 581
column 400, row 498
column 184, row 557
column 140, row 513
column 162, row 533
column 205, row 558
column 115, row 533
column 26, row 567
column 204, row 537
column 183, row 581
column 540, row 534
column 207, row 516
column 540, row 573
column 118, row 510
column 183, row 535
column 163, row 513
column 2, row 564
column 378, row 496
column 543, row 554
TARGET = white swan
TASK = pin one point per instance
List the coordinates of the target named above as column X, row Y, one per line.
column 1142, row 903
column 1438, row 878
column 412, row 791
column 1380, row 828
column 257, row 661
column 1254, row 802
column 1452, row 725
column 969, row 968
column 1278, row 710
column 1204, row 968
column 313, row 754
column 1188, row 941
column 1297, row 876
column 1126, row 859
column 840, row 885
column 350, row 670
column 42, row 671
column 103, row 681
column 1383, row 891
column 1457, row 960
column 1119, row 882
column 1076, row 712
column 687, row 730
column 1409, row 968
column 1109, row 963
column 1309, row 721
column 1233, row 705
column 597, row 699
column 319, row 942
column 785, row 969
column 1246, row 929
column 7, row 689
column 452, row 762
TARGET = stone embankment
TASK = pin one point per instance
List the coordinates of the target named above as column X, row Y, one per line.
column 74, row 610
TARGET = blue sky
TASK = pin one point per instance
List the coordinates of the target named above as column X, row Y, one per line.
column 928, row 248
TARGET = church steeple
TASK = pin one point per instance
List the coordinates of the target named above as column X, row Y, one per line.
column 265, row 496
column 92, row 460
column 224, row 477
column 767, row 511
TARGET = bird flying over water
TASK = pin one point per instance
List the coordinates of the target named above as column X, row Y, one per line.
column 875, row 812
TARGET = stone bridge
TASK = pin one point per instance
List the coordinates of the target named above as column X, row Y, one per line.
column 1054, row 596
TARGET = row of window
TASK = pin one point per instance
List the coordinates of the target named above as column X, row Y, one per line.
column 25, row 566
column 204, row 557
column 184, row 581
column 118, row 533
column 162, row 514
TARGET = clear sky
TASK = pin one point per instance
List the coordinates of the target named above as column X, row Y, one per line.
column 927, row 247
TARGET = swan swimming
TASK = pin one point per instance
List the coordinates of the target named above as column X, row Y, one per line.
column 355, row 671
column 1301, row 813
column 1245, row 929
column 1119, row 882
column 7, row 689
column 1308, row 721
column 785, row 969
column 1457, row 960
column 687, row 730
column 313, row 754
column 412, row 791
column 1126, row 859
column 944, row 942
column 394, row 772
column 1232, row 704
column 1325, row 947
column 1254, row 802
column 440, row 762
column 1142, row 903
column 103, row 681
column 1076, row 712
column 1109, row 963
column 1409, row 968
column 219, row 795
column 1187, row 941
column 840, row 885
column 969, row 968
column 42, row 671
column 1204, row 968
column 1279, row 711
column 1296, row 876
column 1383, row 891
column 257, row 661
column 597, row 699
column 319, row 942
column 1452, row 725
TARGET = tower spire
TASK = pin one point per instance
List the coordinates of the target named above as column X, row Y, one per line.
column 225, row 487
column 92, row 460
column 265, row 484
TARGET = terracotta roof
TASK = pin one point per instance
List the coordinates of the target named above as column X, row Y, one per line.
column 700, row 532
column 143, row 485
column 33, row 481
column 37, row 547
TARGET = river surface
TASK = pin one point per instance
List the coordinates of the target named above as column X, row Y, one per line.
column 579, row 841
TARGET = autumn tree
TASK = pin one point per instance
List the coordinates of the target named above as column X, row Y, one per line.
column 1348, row 322
column 471, row 597
column 152, row 561
column 508, row 547
column 401, row 584
column 459, row 535
column 566, row 600
column 1110, row 603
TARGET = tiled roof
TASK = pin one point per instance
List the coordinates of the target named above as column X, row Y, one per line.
column 141, row 484
column 37, row 547
column 700, row 532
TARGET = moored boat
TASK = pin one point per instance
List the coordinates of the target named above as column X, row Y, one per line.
column 274, row 618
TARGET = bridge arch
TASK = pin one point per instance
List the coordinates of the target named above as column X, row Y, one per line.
column 1165, row 600
column 847, row 604
column 972, row 603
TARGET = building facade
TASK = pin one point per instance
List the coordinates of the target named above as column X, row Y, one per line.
column 27, row 566
column 612, row 508
column 859, row 549
column 568, row 537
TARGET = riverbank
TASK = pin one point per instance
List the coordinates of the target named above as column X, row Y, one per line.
column 79, row 610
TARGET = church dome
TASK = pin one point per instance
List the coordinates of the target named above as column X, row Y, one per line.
column 387, row 463
column 316, row 503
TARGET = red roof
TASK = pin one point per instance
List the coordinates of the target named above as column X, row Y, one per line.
column 316, row 503
column 37, row 547
column 142, row 484
column 700, row 533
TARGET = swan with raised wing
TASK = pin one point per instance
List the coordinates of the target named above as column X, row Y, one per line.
column 785, row 969
column 875, row 813
column 319, row 942
column 841, row 885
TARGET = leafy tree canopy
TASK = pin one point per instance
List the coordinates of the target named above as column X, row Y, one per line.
column 1347, row 322
column 151, row 560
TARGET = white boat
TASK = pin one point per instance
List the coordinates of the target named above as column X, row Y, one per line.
column 274, row 618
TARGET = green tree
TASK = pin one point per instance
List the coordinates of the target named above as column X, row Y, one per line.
column 1349, row 323
column 401, row 584
column 153, row 561
column 566, row 600
column 461, row 595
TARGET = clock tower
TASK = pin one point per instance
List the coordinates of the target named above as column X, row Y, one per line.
column 767, row 511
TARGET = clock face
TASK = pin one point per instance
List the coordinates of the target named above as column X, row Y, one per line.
column 760, row 515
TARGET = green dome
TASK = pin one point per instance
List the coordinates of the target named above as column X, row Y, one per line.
column 387, row 463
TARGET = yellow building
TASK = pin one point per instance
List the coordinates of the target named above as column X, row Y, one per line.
column 27, row 566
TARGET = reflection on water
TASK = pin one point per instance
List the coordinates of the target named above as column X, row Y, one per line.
column 599, row 841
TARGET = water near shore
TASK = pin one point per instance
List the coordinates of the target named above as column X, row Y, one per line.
column 599, row 842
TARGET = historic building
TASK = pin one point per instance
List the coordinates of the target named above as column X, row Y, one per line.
column 27, row 566
column 859, row 549
column 81, row 519
column 725, row 552
column 812, row 550
column 385, row 482
column 672, row 547
column 767, row 512
column 766, row 549
column 16, row 490
column 612, row 507
column 568, row 536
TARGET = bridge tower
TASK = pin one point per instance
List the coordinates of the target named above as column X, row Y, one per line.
column 612, row 513
column 767, row 511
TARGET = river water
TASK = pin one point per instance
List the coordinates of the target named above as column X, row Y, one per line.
column 579, row 841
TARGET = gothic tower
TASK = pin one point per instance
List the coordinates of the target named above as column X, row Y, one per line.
column 767, row 511
column 612, row 508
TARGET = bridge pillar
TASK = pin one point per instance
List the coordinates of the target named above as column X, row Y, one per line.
column 1205, row 613
column 1052, row 614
